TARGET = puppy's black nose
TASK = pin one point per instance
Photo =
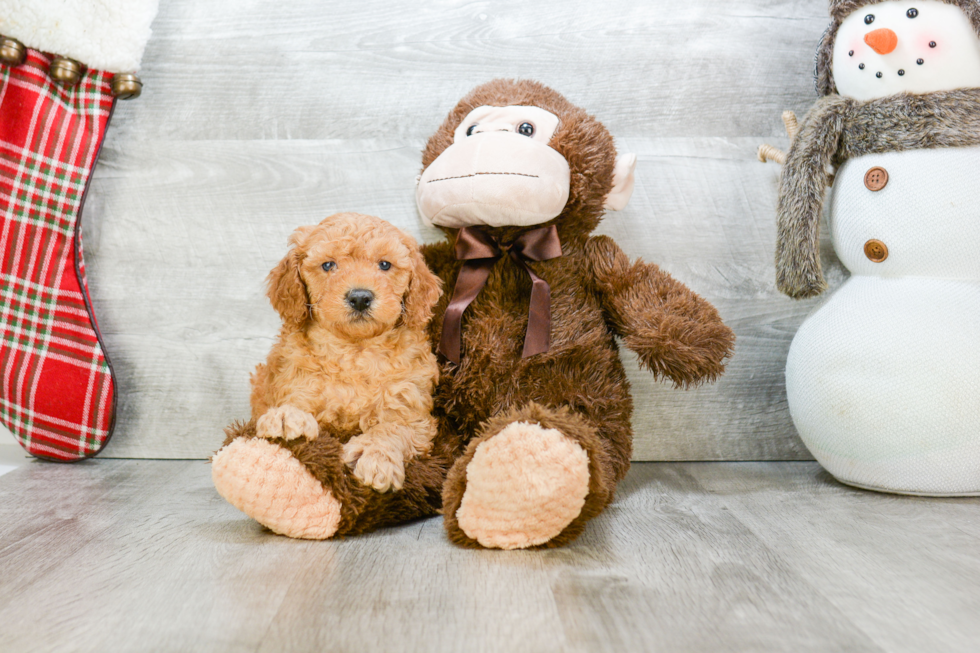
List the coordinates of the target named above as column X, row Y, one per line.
column 360, row 299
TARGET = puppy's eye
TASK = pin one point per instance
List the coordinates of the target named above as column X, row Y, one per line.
column 870, row 18
column 526, row 129
column 384, row 265
column 329, row 266
column 912, row 13
column 469, row 132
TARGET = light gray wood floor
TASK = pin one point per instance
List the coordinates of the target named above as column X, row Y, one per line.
column 123, row 555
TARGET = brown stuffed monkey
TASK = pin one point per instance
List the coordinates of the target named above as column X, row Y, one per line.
column 533, row 404
column 518, row 178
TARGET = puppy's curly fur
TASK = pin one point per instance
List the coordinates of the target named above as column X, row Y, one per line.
column 363, row 373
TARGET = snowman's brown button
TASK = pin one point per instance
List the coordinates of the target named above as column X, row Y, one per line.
column 875, row 250
column 876, row 179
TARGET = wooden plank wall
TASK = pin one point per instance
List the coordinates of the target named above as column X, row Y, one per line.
column 258, row 117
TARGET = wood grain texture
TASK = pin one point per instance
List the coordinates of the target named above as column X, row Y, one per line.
column 144, row 555
column 315, row 69
column 255, row 120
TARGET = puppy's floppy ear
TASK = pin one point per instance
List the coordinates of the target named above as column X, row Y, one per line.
column 286, row 289
column 423, row 292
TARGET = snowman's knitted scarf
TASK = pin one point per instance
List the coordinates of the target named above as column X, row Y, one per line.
column 837, row 129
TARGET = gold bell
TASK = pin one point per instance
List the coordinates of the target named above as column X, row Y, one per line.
column 126, row 86
column 12, row 51
column 65, row 71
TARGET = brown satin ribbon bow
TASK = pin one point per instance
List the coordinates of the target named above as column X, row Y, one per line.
column 481, row 251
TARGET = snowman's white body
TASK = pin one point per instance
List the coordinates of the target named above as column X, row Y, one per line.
column 883, row 380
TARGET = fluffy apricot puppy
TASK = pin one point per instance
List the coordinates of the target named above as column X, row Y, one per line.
column 352, row 352
column 352, row 364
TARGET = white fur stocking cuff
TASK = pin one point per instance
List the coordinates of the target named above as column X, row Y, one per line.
column 108, row 35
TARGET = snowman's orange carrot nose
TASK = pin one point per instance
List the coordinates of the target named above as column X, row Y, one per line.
column 882, row 41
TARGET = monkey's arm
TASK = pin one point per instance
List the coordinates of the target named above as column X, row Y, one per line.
column 441, row 260
column 676, row 333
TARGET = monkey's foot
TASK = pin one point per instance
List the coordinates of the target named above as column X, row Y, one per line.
column 524, row 486
column 267, row 483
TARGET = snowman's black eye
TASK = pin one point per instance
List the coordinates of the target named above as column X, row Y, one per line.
column 912, row 13
column 469, row 132
column 526, row 129
column 384, row 265
column 870, row 18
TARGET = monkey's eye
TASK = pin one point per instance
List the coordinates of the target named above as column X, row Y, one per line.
column 469, row 132
column 384, row 265
column 870, row 18
column 912, row 13
column 329, row 266
column 526, row 129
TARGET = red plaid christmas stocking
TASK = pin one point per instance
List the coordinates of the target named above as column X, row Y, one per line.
column 57, row 392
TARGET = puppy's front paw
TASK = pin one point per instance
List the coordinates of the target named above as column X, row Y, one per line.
column 287, row 422
column 374, row 465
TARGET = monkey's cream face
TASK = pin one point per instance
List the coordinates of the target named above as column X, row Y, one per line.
column 499, row 171
column 915, row 46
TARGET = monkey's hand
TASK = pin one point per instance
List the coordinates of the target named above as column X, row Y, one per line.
column 676, row 333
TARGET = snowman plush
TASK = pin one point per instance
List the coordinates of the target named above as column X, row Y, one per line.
column 883, row 379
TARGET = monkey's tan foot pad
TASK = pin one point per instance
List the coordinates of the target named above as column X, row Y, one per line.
column 523, row 487
column 268, row 484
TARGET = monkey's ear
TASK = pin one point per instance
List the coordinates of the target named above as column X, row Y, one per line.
column 623, row 180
